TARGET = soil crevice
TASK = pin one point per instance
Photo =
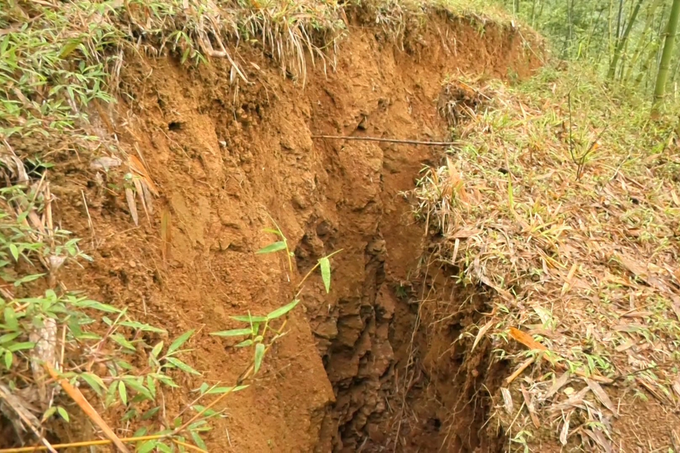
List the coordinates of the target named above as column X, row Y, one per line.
column 226, row 157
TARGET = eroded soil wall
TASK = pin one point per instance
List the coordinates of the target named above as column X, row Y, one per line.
column 226, row 155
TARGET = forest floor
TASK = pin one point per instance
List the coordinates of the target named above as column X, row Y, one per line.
column 213, row 237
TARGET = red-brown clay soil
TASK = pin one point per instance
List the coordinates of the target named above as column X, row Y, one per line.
column 224, row 156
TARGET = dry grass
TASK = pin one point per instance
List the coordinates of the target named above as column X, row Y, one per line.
column 564, row 204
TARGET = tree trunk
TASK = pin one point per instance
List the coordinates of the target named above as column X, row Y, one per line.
column 620, row 45
column 666, row 56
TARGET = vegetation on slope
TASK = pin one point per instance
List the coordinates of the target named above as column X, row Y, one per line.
column 562, row 203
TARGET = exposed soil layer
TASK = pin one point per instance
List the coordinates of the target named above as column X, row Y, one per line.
column 362, row 366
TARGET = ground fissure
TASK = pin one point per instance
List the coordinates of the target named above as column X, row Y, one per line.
column 363, row 369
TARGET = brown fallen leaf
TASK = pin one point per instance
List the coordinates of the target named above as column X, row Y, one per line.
column 676, row 386
column 530, row 407
column 599, row 438
column 625, row 346
column 652, row 388
column 139, row 188
column 507, row 401
column 564, row 432
column 138, row 167
column 481, row 333
column 675, row 439
column 464, row 234
column 675, row 198
column 21, row 409
column 456, row 182
column 526, row 339
column 558, row 384
column 602, row 396
column 132, row 205
column 575, row 400
column 568, row 280
column 637, row 314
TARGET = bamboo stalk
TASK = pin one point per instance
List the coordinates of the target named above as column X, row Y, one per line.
column 644, row 40
column 623, row 40
column 666, row 56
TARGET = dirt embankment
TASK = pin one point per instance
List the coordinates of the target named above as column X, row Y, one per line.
column 358, row 368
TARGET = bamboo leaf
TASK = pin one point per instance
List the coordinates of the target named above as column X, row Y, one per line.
column 180, row 341
column 271, row 248
column 9, row 337
column 20, row 346
column 182, row 366
column 94, row 382
column 198, row 441
column 244, row 343
column 259, row 355
column 10, row 319
column 232, row 333
column 325, row 266
column 48, row 413
column 122, row 391
column 147, row 415
column 220, row 390
column 157, row 349
column 69, row 47
column 63, row 413
column 96, row 305
column 9, row 358
column 249, row 318
column 118, row 338
column 14, row 251
column 135, row 385
column 111, row 394
column 147, row 446
column 282, row 310
column 151, row 384
column 164, row 448
column 166, row 380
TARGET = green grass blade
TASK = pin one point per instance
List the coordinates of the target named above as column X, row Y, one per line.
column 180, row 341
column 232, row 333
column 325, row 266
column 259, row 355
column 282, row 310
column 271, row 248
